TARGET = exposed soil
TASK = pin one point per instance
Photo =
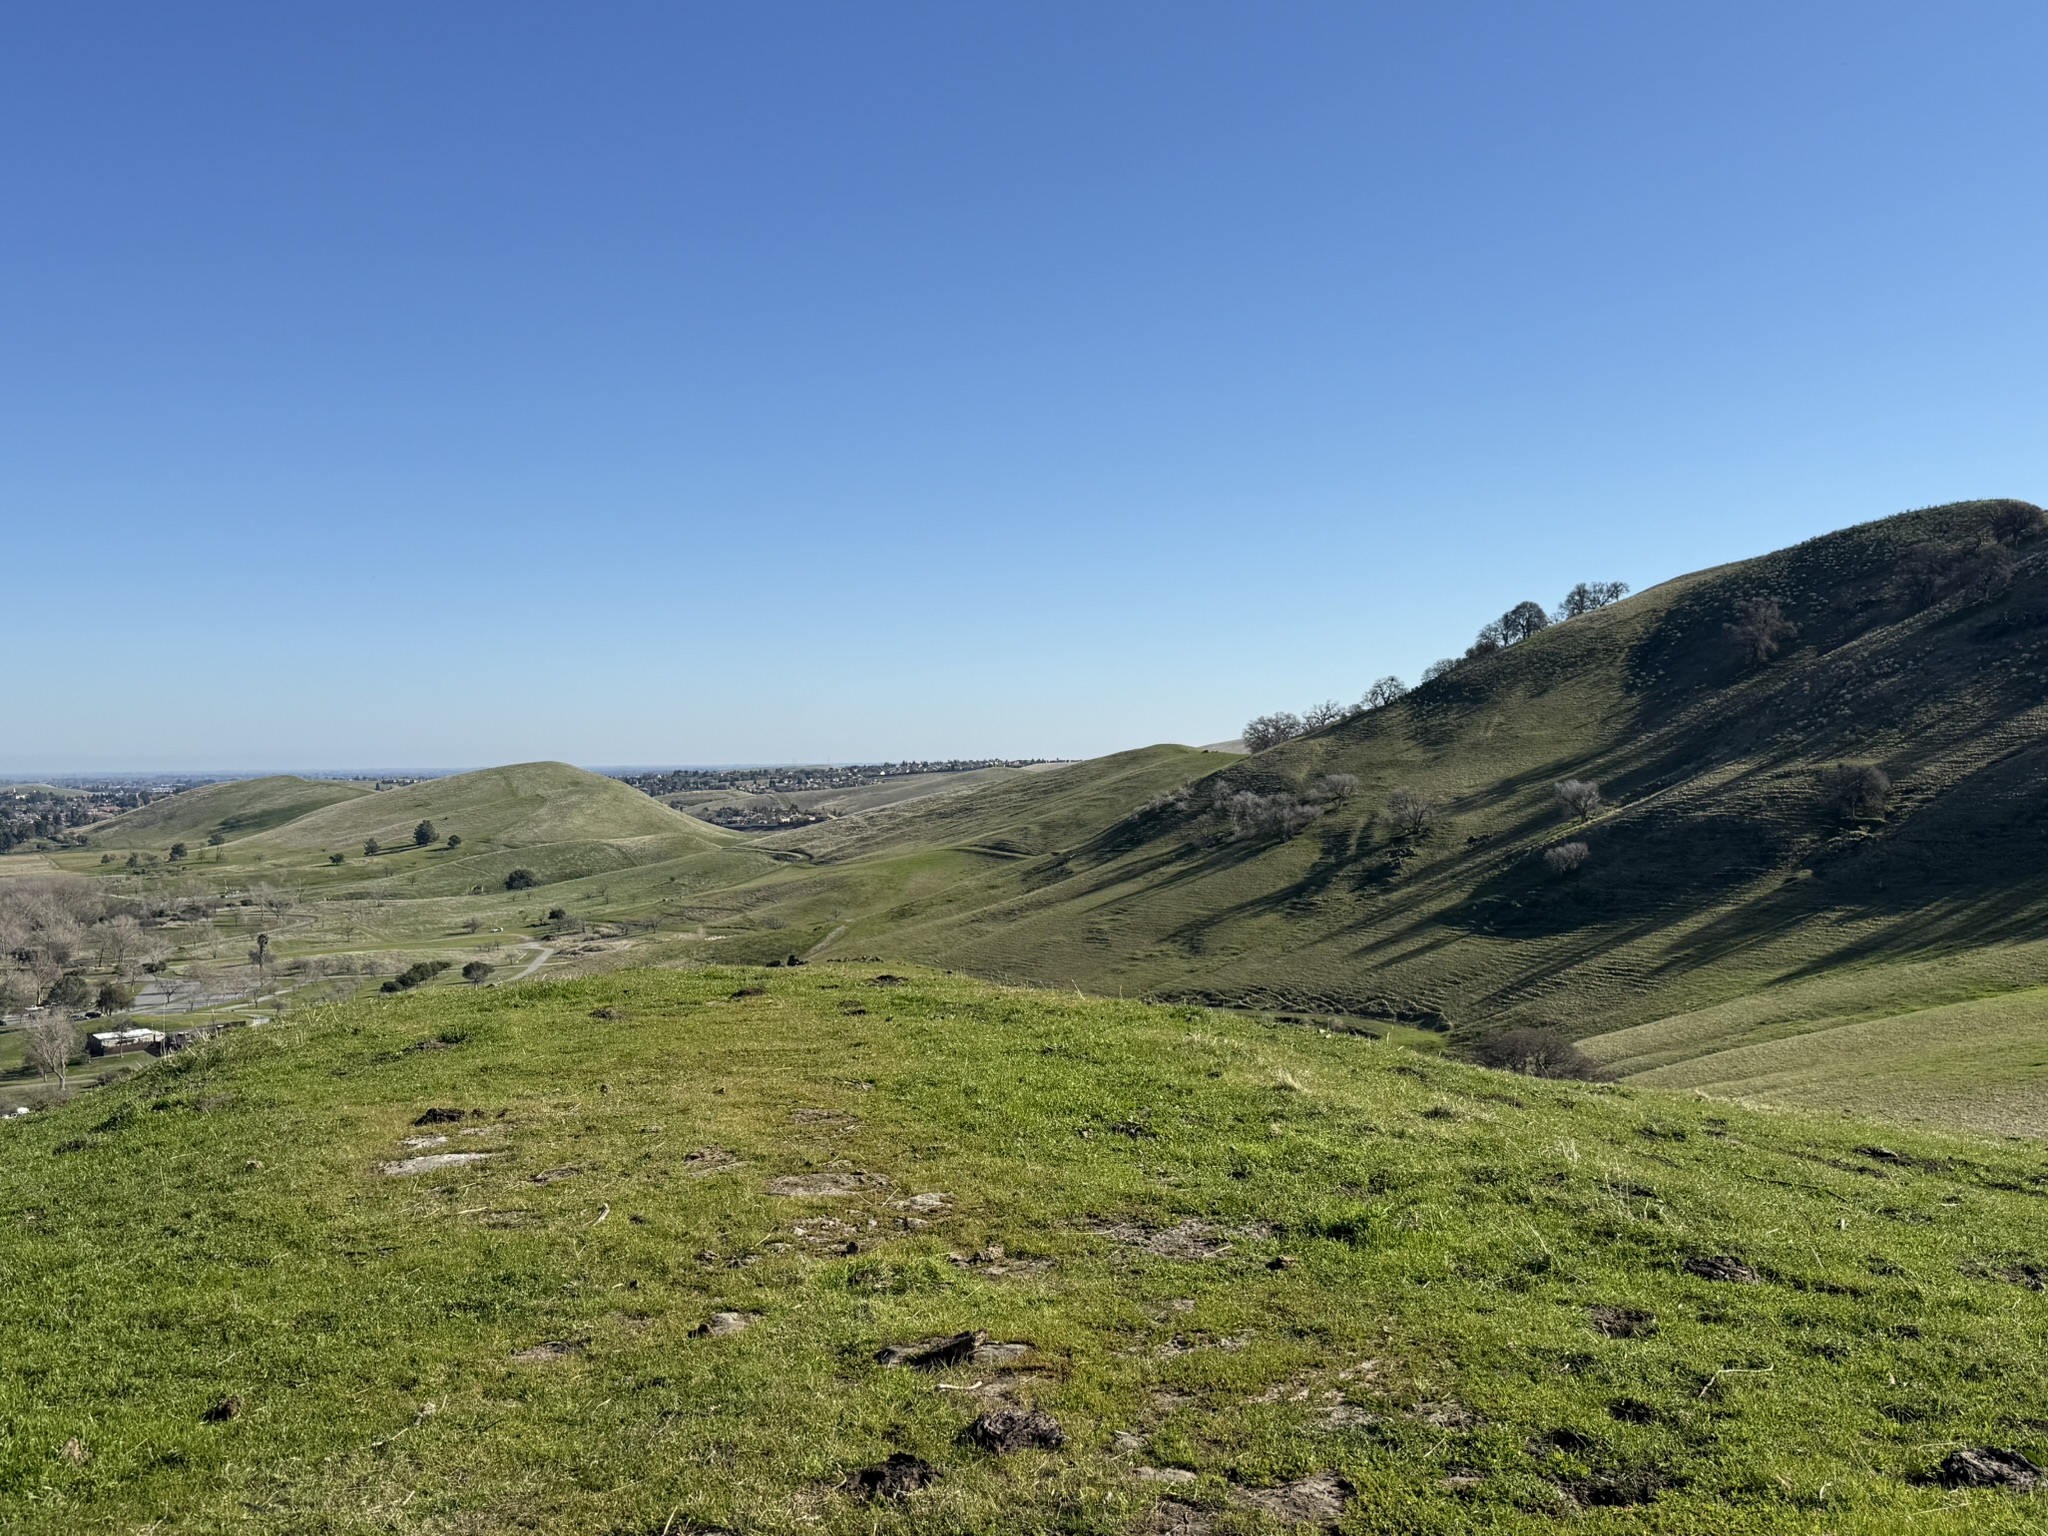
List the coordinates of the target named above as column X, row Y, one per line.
column 1623, row 1322
column 1988, row 1466
column 1015, row 1429
column 1723, row 1267
column 824, row 1186
column 1314, row 1500
column 433, row 1162
column 933, row 1354
column 721, row 1324
column 900, row 1475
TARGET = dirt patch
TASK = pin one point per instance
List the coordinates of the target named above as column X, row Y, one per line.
column 899, row 1476
column 549, row 1353
column 447, row 1116
column 1619, row 1487
column 606, row 1013
column 1170, row 1517
column 556, row 1175
column 433, row 1162
column 824, row 1186
column 228, row 1408
column 1315, row 1500
column 886, row 980
column 1015, row 1429
column 1189, row 1241
column 1004, row 1354
column 931, row 1203
column 708, row 1160
column 1446, row 1415
column 414, row 1143
column 933, row 1354
column 1623, row 1322
column 721, row 1325
column 1722, row 1266
column 749, row 992
column 1988, row 1466
column 994, row 1263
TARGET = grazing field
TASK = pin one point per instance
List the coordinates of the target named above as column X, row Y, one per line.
column 628, row 1254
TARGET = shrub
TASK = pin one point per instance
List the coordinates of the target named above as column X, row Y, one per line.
column 415, row 975
column 424, row 834
column 114, row 998
column 370, row 846
column 2015, row 522
column 1169, row 800
column 1386, row 691
column 1853, row 790
column 557, row 914
column 1334, row 786
column 336, row 858
column 1437, row 669
column 454, row 839
column 1579, row 796
column 521, row 880
column 1270, row 730
column 1410, row 812
column 1588, row 595
column 1535, row 1052
column 1255, row 815
column 215, row 839
column 1759, row 629
column 477, row 972
column 177, row 852
column 1565, row 857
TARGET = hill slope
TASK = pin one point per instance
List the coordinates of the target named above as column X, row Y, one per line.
column 1716, row 870
column 1253, row 1272
column 237, row 809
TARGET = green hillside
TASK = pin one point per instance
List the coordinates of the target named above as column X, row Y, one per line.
column 237, row 809
column 1716, row 869
column 1254, row 1274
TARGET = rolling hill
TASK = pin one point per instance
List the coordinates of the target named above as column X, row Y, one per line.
column 633, row 1254
column 1716, row 870
column 237, row 809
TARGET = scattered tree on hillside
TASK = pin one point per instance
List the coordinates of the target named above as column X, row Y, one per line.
column 1329, row 712
column 336, row 858
column 1491, row 638
column 477, row 972
column 1565, row 857
column 521, row 880
column 1383, row 693
column 215, row 839
column 1589, row 595
column 1410, row 812
column 1252, row 814
column 2015, row 522
column 260, row 955
column 1759, row 629
column 1535, row 1052
column 1579, row 796
column 177, row 852
column 424, row 835
column 370, row 846
column 1854, row 790
column 558, row 914
column 1270, row 730
column 1334, row 786
column 454, row 839
column 1437, row 669
column 1987, row 572
column 47, row 1044
column 1522, row 621
column 114, row 997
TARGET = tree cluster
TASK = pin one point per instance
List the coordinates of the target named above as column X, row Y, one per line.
column 1855, row 790
column 51, row 930
column 1527, row 618
column 415, row 975
column 1267, row 731
column 1535, row 1052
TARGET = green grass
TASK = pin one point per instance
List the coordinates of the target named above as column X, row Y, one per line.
column 217, row 1227
column 236, row 809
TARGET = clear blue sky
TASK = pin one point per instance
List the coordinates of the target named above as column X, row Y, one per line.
column 436, row 385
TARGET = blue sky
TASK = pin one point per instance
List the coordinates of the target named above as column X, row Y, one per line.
column 431, row 386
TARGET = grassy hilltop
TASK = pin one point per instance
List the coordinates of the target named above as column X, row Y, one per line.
column 236, row 809
column 1254, row 1272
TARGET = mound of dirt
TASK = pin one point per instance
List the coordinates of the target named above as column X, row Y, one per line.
column 1015, row 1429
column 900, row 1475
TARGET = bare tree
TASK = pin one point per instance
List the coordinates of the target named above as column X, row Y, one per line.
column 1579, row 796
column 1410, row 812
column 1589, row 595
column 17, row 992
column 1255, row 815
column 1329, row 712
column 1383, row 693
column 47, row 1044
column 1535, row 1052
column 1437, row 669
column 1760, row 628
column 1491, row 638
column 1334, row 786
column 2014, row 522
column 1565, row 857
column 1269, row 731
column 1855, row 789
column 1522, row 621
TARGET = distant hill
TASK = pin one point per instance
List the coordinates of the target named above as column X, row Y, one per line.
column 1716, row 868
column 237, row 809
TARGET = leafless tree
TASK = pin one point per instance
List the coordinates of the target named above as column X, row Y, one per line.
column 1437, row 669
column 1579, row 796
column 1589, row 595
column 1269, row 731
column 1491, row 638
column 1987, row 572
column 1535, row 1052
column 17, row 992
column 1329, row 712
column 1255, row 815
column 1760, row 628
column 47, row 1044
column 1855, row 789
column 1383, row 693
column 1565, row 857
column 1410, row 812
column 1334, row 786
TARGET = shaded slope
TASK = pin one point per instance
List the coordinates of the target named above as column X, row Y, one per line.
column 1715, row 871
column 238, row 809
column 617, row 1316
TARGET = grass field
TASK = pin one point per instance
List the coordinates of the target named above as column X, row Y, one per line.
column 1245, row 1266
